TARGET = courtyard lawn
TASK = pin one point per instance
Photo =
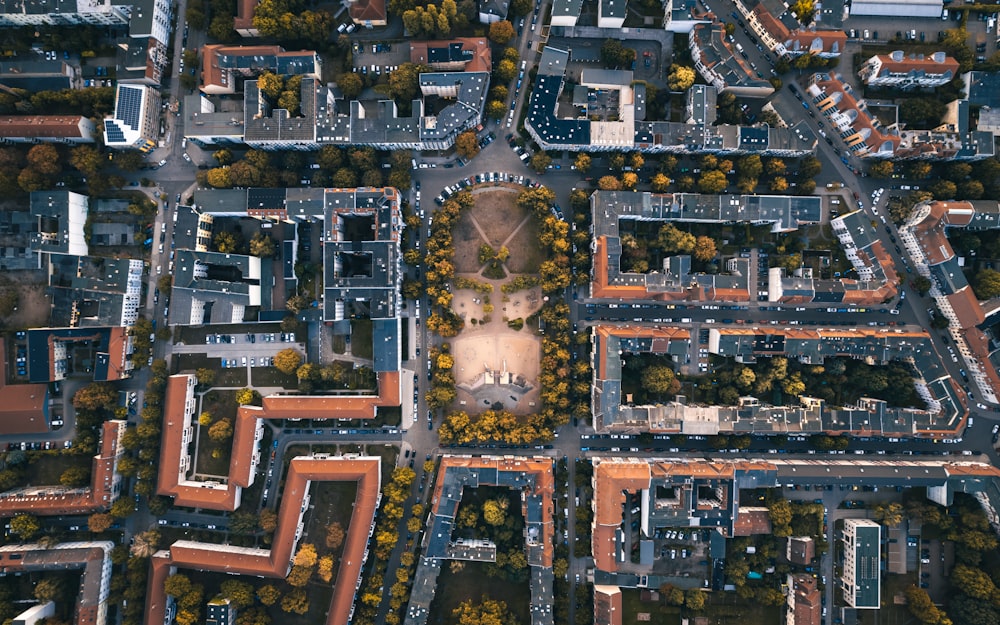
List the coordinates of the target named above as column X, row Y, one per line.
column 331, row 502
column 213, row 458
column 361, row 338
column 189, row 363
column 473, row 583
column 721, row 608
column 45, row 468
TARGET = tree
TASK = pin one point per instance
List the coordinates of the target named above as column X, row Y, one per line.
column 297, row 303
column 239, row 592
column 674, row 241
column 987, row 284
column 225, row 242
column 494, row 511
column 44, row 159
column 205, row 376
column 615, row 55
column 804, row 11
column 488, row 612
column 145, row 544
column 296, row 602
column 659, row 379
column 609, row 183
column 268, row 520
column 888, row 513
column 680, row 77
column 582, row 162
column 287, row 360
column 404, row 82
column 350, row 85
column 496, row 109
column 501, row 32
column 221, row 431
column 921, row 112
column 334, row 536
column 629, row 180
column 660, row 183
column 177, row 585
column 325, row 568
column 219, row 177
column 86, row 160
column 99, row 522
column 540, row 161
column 262, row 245
column 47, row 589
column 712, row 182
column 247, row 396
column 466, row 144
column 75, row 477
column 882, row 169
column 921, row 285
column 95, row 396
column 779, row 184
column 268, row 595
column 694, row 599
column 704, row 249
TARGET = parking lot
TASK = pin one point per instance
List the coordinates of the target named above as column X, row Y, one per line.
column 379, row 58
column 242, row 350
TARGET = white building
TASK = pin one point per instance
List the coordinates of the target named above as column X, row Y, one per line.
column 861, row 575
column 908, row 72
column 134, row 123
column 897, row 8
column 611, row 13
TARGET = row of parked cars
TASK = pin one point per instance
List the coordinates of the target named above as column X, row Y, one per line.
column 263, row 361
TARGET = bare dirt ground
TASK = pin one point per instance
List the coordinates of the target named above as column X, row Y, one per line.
column 467, row 241
column 525, row 253
column 33, row 306
column 497, row 213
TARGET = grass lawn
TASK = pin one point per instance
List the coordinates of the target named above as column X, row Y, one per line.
column 45, row 468
column 361, row 338
column 339, row 344
column 388, row 453
column 473, row 583
column 236, row 376
column 721, row 608
column 388, row 415
column 890, row 612
column 270, row 376
column 525, row 253
column 319, row 595
column 213, row 458
column 332, row 502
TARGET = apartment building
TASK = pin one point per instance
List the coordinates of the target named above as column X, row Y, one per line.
column 861, row 576
column 721, row 67
column 896, row 70
column 135, row 122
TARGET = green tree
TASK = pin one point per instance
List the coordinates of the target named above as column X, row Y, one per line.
column 177, row 585
column 262, row 245
column 674, row 241
column 888, row 513
column 694, row 598
column 44, row 159
column 659, row 379
column 505, row 70
column 404, row 82
column 99, row 522
column 205, row 376
column 351, row 85
column 47, row 589
column 296, row 602
column 496, row 109
column 75, row 477
column 987, row 284
column 239, row 592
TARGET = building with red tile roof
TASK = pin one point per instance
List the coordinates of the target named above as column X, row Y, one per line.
column 804, row 606
column 178, row 436
column 243, row 24
column 614, row 411
column 899, row 71
column 276, row 561
column 224, row 68
column 781, row 32
column 463, row 54
column 368, row 13
column 71, row 129
column 865, row 136
column 91, row 556
column 534, row 479
column 703, row 493
column 924, row 236
column 51, row 500
column 827, row 44
column 607, row 605
column 24, row 408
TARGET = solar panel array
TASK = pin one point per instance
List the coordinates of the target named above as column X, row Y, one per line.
column 129, row 108
column 113, row 133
